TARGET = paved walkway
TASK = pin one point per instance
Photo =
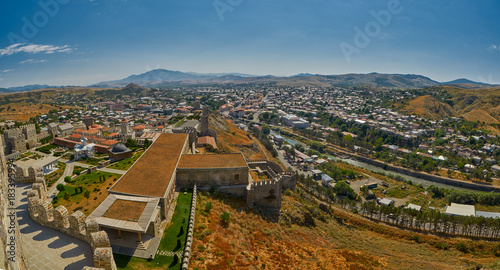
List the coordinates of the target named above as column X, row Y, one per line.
column 111, row 170
column 47, row 249
column 169, row 253
column 67, row 172
column 83, row 165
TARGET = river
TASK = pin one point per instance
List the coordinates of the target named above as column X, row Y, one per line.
column 370, row 167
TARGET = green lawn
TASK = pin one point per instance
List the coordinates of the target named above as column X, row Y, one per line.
column 91, row 161
column 51, row 178
column 174, row 239
column 125, row 164
column 97, row 183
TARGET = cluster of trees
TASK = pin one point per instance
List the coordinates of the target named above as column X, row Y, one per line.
column 337, row 173
column 46, row 139
column 269, row 118
column 465, row 196
column 264, row 140
column 341, row 193
column 433, row 220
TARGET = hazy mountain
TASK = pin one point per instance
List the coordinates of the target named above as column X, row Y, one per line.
column 468, row 84
column 464, row 81
column 24, row 88
column 168, row 77
column 163, row 76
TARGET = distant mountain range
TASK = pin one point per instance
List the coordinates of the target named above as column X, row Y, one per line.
column 164, row 77
column 158, row 77
column 24, row 88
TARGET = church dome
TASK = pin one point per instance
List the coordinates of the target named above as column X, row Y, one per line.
column 119, row 148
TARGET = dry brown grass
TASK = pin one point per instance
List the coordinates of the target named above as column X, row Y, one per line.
column 429, row 107
column 126, row 210
column 231, row 139
column 22, row 111
column 160, row 159
column 480, row 115
column 343, row 241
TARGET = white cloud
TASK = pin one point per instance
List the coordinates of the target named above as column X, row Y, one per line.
column 32, row 61
column 7, row 70
column 494, row 47
column 34, row 48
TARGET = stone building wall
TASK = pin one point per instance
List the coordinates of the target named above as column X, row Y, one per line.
column 209, row 177
column 30, row 135
column 29, row 175
column 14, row 141
column 265, row 193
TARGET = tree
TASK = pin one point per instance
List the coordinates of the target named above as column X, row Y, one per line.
column 208, row 207
column 131, row 143
column 66, row 196
column 67, row 179
column 147, row 143
column 60, row 187
column 226, row 218
column 266, row 129
column 86, row 194
column 309, row 220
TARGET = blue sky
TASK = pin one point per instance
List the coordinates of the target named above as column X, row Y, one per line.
column 80, row 42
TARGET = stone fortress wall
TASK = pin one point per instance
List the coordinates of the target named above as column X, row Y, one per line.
column 12, row 256
column 42, row 212
column 266, row 193
column 21, row 139
column 186, row 254
column 29, row 175
column 209, row 177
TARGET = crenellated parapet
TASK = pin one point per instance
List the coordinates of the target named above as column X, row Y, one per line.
column 186, row 255
column 266, row 193
column 77, row 225
column 30, row 175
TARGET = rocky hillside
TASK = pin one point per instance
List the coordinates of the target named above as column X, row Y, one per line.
column 231, row 139
column 309, row 238
column 473, row 104
column 429, row 107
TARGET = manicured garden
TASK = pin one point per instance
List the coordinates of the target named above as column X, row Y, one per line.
column 51, row 178
column 174, row 239
column 47, row 148
column 85, row 192
column 125, row 164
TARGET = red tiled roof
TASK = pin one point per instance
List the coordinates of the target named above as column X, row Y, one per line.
column 138, row 127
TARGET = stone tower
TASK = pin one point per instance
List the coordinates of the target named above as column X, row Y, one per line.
column 204, row 121
column 15, row 140
column 29, row 132
column 196, row 105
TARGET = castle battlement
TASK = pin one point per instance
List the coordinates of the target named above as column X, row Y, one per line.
column 76, row 225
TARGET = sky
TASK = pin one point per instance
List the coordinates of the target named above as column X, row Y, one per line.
column 82, row 42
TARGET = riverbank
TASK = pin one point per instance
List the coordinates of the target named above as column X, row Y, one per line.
column 418, row 175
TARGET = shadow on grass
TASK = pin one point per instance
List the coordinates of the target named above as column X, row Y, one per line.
column 121, row 260
column 178, row 245
column 175, row 262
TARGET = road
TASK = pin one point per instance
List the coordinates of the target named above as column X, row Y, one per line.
column 288, row 165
